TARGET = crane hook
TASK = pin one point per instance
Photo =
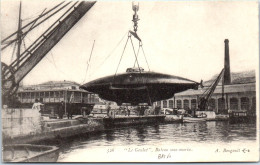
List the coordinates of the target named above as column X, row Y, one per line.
column 135, row 16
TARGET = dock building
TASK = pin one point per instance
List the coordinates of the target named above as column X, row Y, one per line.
column 237, row 93
column 52, row 93
column 236, row 97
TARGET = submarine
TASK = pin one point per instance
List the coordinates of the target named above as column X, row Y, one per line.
column 138, row 86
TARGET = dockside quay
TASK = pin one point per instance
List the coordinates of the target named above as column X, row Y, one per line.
column 238, row 97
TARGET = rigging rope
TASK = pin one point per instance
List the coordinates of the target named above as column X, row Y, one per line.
column 34, row 16
column 24, row 34
column 32, row 22
column 109, row 54
column 56, row 67
column 53, row 60
column 89, row 61
column 40, row 39
column 24, row 44
column 41, row 21
column 15, row 44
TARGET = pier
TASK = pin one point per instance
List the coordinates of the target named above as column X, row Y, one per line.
column 22, row 126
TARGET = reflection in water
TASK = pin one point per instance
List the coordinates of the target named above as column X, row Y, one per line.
column 109, row 135
column 141, row 132
column 165, row 134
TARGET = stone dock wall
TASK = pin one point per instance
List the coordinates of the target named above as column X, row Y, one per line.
column 26, row 126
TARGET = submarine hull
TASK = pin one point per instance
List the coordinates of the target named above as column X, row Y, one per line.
column 135, row 88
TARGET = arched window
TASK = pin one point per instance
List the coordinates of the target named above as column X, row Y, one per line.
column 253, row 107
column 56, row 94
column 164, row 104
column 212, row 105
column 179, row 104
column 170, row 103
column 61, row 94
column 47, row 94
column 22, row 95
column 41, row 94
column 158, row 103
column 221, row 105
column 51, row 94
column 186, row 104
column 33, row 95
column 193, row 104
column 244, row 103
column 37, row 95
column 85, row 97
column 28, row 95
column 233, row 103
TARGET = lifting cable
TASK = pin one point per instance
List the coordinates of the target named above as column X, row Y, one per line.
column 129, row 36
column 136, row 61
column 141, row 46
column 149, row 97
column 145, row 57
column 137, row 54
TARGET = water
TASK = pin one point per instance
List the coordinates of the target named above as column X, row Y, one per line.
column 164, row 134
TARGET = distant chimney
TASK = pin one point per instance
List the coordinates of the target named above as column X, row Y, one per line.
column 227, row 76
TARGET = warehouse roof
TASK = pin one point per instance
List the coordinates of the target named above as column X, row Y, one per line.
column 233, row 88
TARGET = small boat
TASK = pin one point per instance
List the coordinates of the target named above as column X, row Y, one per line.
column 133, row 120
column 194, row 119
column 29, row 153
column 238, row 116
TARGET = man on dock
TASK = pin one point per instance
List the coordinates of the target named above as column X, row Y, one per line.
column 37, row 105
column 157, row 110
column 61, row 110
column 70, row 109
column 108, row 109
column 128, row 111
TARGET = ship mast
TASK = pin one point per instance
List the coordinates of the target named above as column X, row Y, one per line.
column 19, row 36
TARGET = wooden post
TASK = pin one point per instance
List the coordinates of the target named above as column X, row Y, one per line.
column 174, row 102
column 65, row 101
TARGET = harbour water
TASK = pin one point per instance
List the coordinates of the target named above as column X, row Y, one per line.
column 213, row 132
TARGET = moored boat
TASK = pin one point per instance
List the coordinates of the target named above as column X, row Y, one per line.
column 133, row 120
column 30, row 153
column 238, row 116
column 194, row 119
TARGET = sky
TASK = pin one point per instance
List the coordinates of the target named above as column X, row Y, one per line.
column 182, row 38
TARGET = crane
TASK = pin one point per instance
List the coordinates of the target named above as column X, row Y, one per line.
column 203, row 102
column 14, row 73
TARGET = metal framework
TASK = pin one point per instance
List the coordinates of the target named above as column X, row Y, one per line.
column 13, row 74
